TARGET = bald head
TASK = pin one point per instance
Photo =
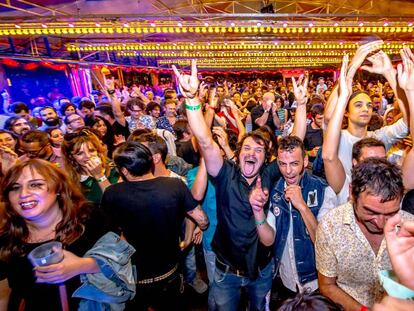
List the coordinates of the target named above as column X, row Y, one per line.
column 268, row 98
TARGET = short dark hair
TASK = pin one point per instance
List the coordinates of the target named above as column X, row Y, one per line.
column 378, row 177
column 138, row 132
column 87, row 104
column 134, row 157
column 180, row 127
column 135, row 102
column 289, row 143
column 151, row 106
column 260, row 138
column 155, row 143
column 18, row 107
column 65, row 106
column 47, row 107
column 355, row 94
column 316, row 109
column 106, row 109
column 35, row 136
column 309, row 302
column 365, row 143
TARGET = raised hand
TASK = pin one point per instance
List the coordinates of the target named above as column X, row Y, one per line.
column 406, row 70
column 212, row 98
column 345, row 78
column 188, row 84
column 300, row 89
column 381, row 64
column 258, row 197
column 400, row 245
column 293, row 194
column 202, row 90
column 361, row 53
column 221, row 136
column 109, row 84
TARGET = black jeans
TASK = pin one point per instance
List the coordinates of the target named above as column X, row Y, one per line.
column 160, row 296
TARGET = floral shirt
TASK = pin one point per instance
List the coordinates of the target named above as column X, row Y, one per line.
column 164, row 123
column 343, row 251
column 144, row 121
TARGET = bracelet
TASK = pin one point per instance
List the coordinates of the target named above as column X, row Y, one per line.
column 102, row 179
column 192, row 108
column 211, row 107
column 110, row 92
column 259, row 223
column 364, row 308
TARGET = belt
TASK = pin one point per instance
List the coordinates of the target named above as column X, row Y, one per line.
column 227, row 268
column 159, row 278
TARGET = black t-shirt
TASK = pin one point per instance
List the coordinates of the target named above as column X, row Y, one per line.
column 186, row 151
column 313, row 137
column 150, row 213
column 236, row 242
column 256, row 113
column 37, row 296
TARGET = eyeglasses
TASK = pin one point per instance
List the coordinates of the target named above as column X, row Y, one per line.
column 31, row 153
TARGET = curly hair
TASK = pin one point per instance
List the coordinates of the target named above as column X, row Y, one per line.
column 71, row 145
column 13, row 227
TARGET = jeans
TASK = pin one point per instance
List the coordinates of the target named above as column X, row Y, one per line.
column 226, row 289
column 210, row 260
column 190, row 268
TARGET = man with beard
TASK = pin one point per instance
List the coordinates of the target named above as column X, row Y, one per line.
column 298, row 201
column 49, row 118
column 243, row 260
column 350, row 245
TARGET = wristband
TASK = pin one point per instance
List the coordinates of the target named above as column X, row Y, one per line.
column 364, row 308
column 192, row 108
column 111, row 92
column 261, row 222
column 211, row 107
column 102, row 179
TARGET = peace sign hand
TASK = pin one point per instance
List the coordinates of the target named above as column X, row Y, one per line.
column 188, row 84
column 300, row 89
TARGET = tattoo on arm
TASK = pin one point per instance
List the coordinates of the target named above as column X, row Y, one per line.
column 199, row 217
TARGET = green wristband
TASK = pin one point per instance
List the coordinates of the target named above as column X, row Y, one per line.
column 196, row 107
column 259, row 223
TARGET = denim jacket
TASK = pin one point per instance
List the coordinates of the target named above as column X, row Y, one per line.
column 313, row 191
column 111, row 288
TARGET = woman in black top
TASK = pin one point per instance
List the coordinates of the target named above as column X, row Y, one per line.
column 41, row 204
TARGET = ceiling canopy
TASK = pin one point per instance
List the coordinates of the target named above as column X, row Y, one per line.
column 220, row 34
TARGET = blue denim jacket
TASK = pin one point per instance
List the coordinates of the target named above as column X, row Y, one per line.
column 115, row 284
column 313, row 191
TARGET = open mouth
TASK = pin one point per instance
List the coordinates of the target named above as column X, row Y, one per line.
column 249, row 166
column 28, row 204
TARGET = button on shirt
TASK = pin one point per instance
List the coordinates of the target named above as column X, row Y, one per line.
column 342, row 251
column 287, row 269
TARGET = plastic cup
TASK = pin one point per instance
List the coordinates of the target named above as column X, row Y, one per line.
column 46, row 254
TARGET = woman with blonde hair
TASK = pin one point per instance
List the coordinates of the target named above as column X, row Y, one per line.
column 86, row 162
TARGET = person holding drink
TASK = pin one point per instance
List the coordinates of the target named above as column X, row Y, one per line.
column 41, row 205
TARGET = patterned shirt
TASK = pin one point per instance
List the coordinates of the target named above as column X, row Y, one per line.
column 164, row 123
column 342, row 251
column 144, row 121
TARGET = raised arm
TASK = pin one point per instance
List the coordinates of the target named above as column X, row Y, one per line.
column 188, row 85
column 300, row 90
column 330, row 105
column 115, row 103
column 406, row 81
column 210, row 109
column 199, row 186
column 334, row 170
column 381, row 64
